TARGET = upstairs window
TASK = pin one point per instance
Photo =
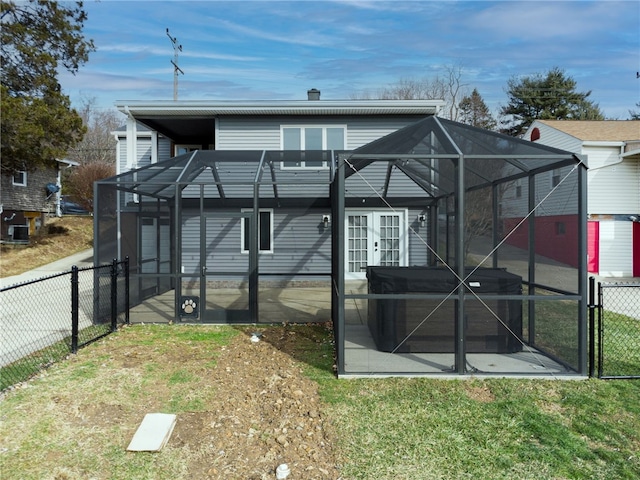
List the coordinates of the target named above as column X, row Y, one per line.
column 20, row 178
column 312, row 140
column 555, row 177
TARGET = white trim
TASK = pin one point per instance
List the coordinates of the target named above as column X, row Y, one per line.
column 271, row 218
column 279, row 107
column 303, row 127
column 373, row 217
column 154, row 147
column 23, row 182
column 132, row 142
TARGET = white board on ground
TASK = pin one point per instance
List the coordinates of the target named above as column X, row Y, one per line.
column 153, row 433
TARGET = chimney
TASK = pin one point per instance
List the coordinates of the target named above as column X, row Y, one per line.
column 313, row 94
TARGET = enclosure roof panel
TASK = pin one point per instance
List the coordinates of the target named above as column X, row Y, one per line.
column 438, row 138
column 233, row 172
column 433, row 135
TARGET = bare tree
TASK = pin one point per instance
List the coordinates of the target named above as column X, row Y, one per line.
column 98, row 144
column 447, row 87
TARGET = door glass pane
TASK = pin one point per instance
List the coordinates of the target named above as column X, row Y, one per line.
column 390, row 240
column 357, row 241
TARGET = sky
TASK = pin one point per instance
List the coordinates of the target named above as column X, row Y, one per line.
column 271, row 50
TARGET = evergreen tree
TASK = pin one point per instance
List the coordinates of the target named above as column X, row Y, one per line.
column 550, row 96
column 38, row 123
column 473, row 111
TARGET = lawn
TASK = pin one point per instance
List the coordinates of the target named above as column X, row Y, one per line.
column 394, row 428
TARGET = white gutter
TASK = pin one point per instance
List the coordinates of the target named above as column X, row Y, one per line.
column 308, row 107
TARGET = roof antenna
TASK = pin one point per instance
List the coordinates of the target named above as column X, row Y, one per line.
column 176, row 69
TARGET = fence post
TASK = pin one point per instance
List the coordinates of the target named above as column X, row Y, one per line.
column 114, row 295
column 75, row 327
column 600, row 332
column 126, row 289
column 592, row 326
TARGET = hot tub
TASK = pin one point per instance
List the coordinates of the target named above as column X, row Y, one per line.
column 428, row 325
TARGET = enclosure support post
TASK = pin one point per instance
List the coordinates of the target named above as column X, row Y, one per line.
column 460, row 263
column 532, row 259
column 177, row 239
column 495, row 204
column 337, row 254
column 432, row 235
column 582, row 269
column 254, row 232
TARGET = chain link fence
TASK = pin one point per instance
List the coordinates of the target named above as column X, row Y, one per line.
column 618, row 330
column 44, row 320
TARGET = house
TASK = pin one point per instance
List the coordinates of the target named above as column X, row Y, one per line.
column 613, row 205
column 27, row 198
column 299, row 211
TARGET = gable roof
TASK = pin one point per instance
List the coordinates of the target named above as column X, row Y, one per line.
column 598, row 130
column 424, row 150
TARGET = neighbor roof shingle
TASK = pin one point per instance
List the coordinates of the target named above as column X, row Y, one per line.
column 598, row 130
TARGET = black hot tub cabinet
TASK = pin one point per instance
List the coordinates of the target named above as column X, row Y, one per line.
column 392, row 320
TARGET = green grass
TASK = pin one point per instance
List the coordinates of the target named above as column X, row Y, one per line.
column 30, row 365
column 395, row 428
column 621, row 345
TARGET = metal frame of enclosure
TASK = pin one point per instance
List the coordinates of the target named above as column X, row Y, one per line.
column 495, row 211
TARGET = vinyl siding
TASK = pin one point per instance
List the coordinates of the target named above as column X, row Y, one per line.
column 614, row 186
column 555, row 138
column 164, row 149
column 254, row 133
column 616, row 259
column 301, row 245
column 370, row 182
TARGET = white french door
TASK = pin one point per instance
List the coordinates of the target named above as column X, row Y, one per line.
column 374, row 238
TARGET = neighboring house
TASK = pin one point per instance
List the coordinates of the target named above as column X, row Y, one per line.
column 613, row 205
column 27, row 198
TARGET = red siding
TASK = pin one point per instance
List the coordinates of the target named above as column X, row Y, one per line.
column 593, row 247
column 556, row 237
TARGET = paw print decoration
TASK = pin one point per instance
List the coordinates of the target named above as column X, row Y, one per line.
column 189, row 307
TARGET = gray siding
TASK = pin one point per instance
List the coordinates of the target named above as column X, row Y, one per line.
column 300, row 245
column 370, row 181
column 254, row 133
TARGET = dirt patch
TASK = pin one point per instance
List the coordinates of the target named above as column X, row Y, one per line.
column 480, row 393
column 266, row 412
